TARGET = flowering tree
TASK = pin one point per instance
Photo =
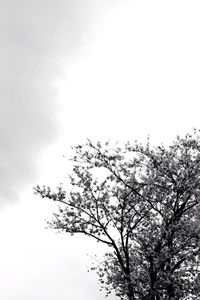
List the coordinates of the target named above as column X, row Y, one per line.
column 143, row 203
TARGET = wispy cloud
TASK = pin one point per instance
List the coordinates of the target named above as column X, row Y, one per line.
column 36, row 37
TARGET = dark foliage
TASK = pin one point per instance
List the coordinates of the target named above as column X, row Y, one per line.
column 142, row 202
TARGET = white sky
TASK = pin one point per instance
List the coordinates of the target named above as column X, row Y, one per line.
column 72, row 70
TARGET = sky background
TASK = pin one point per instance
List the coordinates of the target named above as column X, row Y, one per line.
column 71, row 70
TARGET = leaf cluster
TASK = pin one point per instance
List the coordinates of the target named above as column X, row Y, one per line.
column 142, row 202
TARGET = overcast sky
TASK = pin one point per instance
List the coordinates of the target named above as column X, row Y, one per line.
column 72, row 69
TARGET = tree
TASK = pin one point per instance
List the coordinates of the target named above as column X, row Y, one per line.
column 144, row 203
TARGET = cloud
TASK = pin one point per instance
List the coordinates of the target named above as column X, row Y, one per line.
column 36, row 37
column 140, row 75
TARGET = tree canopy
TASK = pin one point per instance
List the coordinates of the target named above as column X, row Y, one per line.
column 143, row 202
